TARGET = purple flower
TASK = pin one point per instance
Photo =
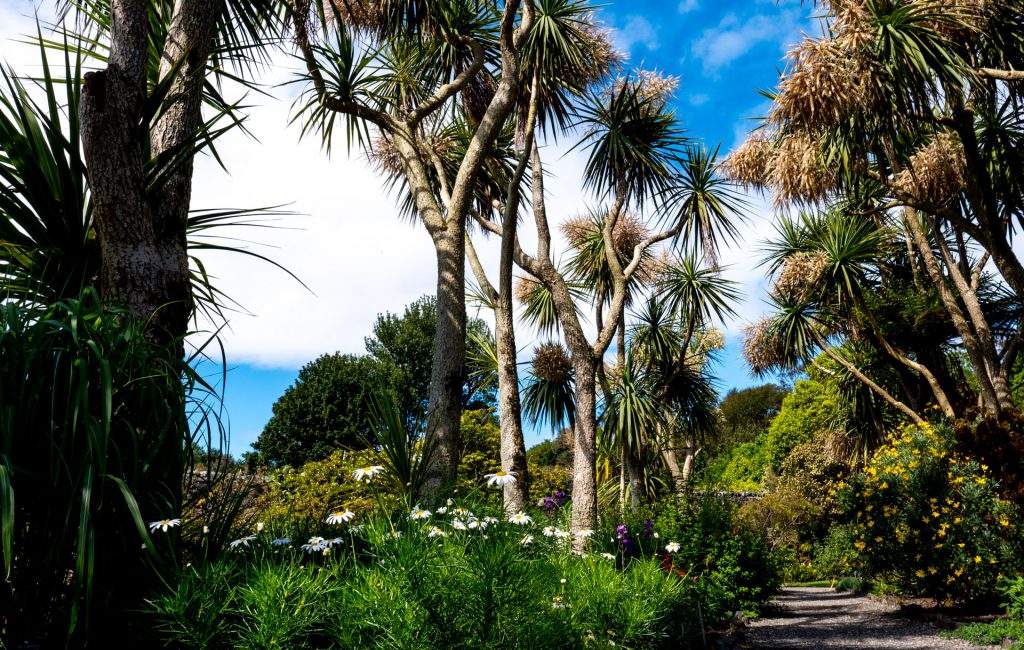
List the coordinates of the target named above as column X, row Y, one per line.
column 648, row 529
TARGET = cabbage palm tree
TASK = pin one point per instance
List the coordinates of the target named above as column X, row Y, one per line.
column 919, row 101
column 636, row 152
column 141, row 123
column 399, row 68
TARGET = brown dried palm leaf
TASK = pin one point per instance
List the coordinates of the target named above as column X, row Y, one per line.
column 800, row 274
column 477, row 96
column 602, row 55
column 629, row 231
column 798, row 174
column 524, row 289
column 551, row 362
column 966, row 19
column 763, row 349
column 936, row 171
column 383, row 155
column 823, row 85
column 750, row 163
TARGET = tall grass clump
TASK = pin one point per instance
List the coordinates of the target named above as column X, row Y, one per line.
column 92, row 447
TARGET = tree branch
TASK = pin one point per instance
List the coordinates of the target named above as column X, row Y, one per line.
column 449, row 90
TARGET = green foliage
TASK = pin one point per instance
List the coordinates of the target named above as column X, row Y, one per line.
column 303, row 497
column 739, row 467
column 833, row 555
column 989, row 634
column 929, row 520
column 325, row 409
column 548, row 453
column 481, row 448
column 810, row 408
column 748, row 412
column 92, row 446
column 1012, row 589
column 393, row 584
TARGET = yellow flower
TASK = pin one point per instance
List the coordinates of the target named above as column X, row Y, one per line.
column 920, row 573
column 860, row 546
column 977, row 559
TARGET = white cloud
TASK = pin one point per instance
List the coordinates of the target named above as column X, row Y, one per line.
column 636, row 30
column 698, row 99
column 686, row 6
column 720, row 46
column 347, row 244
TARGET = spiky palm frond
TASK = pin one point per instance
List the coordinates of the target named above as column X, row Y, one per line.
column 704, row 205
column 539, row 305
column 549, row 394
column 633, row 139
column 634, row 409
column 589, row 266
column 691, row 291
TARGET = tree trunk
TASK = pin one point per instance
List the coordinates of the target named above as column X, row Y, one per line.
column 584, row 480
column 444, row 409
column 513, row 447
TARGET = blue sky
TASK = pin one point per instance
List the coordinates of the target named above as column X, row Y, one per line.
column 359, row 260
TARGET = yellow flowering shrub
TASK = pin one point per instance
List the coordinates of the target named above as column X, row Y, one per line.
column 305, row 496
column 929, row 520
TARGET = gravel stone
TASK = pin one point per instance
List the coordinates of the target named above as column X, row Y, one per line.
column 814, row 617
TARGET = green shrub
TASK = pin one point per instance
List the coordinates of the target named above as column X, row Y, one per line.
column 930, row 521
column 1012, row 589
column 990, row 633
column 808, row 410
column 390, row 584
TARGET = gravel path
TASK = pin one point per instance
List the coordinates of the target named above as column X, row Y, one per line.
column 809, row 617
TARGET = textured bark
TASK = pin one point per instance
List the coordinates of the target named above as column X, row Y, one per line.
column 513, row 446
column 445, row 405
column 974, row 349
column 584, row 475
column 142, row 235
column 636, row 480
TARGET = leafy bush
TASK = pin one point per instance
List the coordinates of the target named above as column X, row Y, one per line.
column 989, row 633
column 930, row 521
column 1012, row 589
column 738, row 468
column 461, row 580
column 808, row 410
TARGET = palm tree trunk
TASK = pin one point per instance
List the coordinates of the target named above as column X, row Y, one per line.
column 444, row 409
column 513, row 447
column 636, row 480
column 584, row 480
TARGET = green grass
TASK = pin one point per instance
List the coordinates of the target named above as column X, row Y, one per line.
column 990, row 633
column 812, row 583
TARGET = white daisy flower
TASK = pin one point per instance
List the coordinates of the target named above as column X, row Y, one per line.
column 340, row 516
column 558, row 603
column 367, row 472
column 562, row 534
column 442, row 510
column 458, row 525
column 501, row 479
column 315, row 545
column 436, row 532
column 335, row 542
column 549, row 531
column 242, row 542
column 527, row 540
column 672, row 547
column 520, row 518
column 358, row 529
column 259, row 527
column 283, row 541
column 164, row 524
column 586, row 532
column 462, row 512
column 476, row 523
column 608, row 556
column 450, row 503
column 490, row 520
column 419, row 513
